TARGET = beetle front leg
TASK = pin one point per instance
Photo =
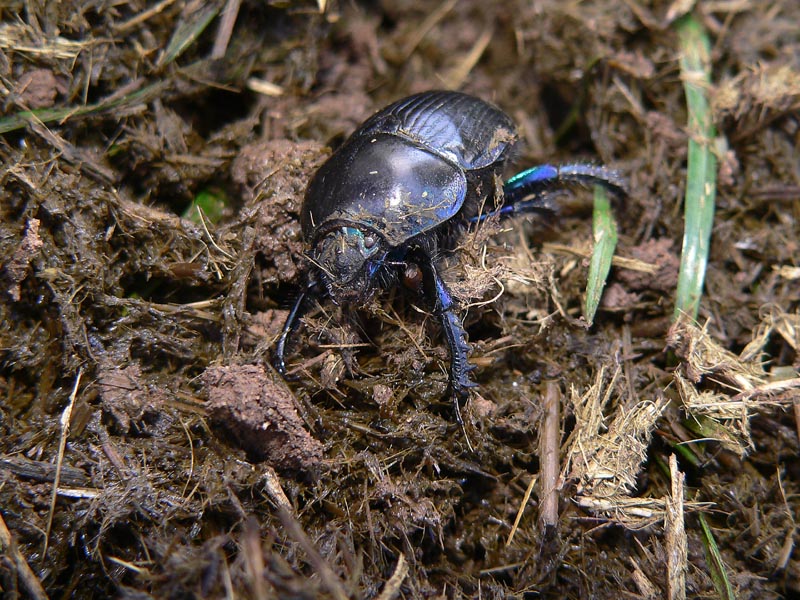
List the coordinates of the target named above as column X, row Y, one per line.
column 292, row 321
column 454, row 334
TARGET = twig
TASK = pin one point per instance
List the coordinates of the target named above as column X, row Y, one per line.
column 675, row 535
column 521, row 509
column 392, row 587
column 143, row 16
column 456, row 76
column 72, row 154
column 320, row 565
column 621, row 262
column 229, row 14
column 551, row 433
column 26, row 575
column 254, row 558
column 796, row 404
column 429, row 23
column 62, row 444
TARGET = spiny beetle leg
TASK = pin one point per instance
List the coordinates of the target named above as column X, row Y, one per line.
column 528, row 191
column 544, row 178
column 454, row 335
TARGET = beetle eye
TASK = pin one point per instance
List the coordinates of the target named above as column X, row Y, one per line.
column 369, row 241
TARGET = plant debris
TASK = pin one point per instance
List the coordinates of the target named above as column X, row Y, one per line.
column 154, row 160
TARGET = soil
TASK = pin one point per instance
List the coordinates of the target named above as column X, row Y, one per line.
column 148, row 448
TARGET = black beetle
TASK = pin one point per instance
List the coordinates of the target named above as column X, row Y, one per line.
column 398, row 192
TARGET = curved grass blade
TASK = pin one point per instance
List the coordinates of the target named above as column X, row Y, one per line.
column 605, row 241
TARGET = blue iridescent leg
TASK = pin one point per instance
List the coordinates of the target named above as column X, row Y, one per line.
column 528, row 191
column 454, row 333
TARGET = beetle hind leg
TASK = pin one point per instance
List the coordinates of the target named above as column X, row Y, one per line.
column 535, row 182
column 531, row 189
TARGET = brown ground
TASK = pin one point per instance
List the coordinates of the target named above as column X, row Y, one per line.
column 191, row 470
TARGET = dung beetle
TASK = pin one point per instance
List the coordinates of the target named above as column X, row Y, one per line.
column 397, row 194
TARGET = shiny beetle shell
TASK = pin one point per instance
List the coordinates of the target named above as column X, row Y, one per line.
column 407, row 169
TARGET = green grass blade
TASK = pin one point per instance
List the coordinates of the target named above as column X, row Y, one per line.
column 51, row 115
column 605, row 241
column 188, row 31
column 702, row 165
column 718, row 572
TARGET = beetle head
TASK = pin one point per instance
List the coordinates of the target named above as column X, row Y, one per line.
column 348, row 259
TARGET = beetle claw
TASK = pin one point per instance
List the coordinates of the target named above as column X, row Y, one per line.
column 460, row 386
